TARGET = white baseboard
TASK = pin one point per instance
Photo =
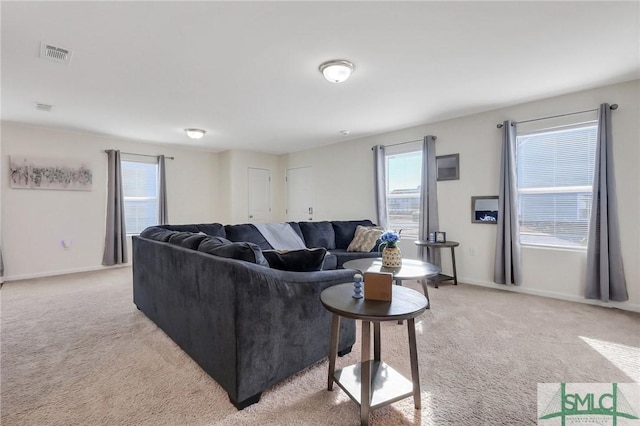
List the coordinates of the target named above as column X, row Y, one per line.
column 61, row 272
column 552, row 294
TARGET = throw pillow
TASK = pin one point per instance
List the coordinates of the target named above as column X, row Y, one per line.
column 365, row 238
column 222, row 247
column 303, row 260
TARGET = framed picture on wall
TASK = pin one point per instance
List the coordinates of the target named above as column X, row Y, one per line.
column 448, row 167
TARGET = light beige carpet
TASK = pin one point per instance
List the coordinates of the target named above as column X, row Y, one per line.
column 75, row 350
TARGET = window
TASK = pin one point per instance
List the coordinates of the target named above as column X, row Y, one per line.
column 140, row 192
column 404, row 175
column 555, row 180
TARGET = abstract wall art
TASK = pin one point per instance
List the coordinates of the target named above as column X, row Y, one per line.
column 50, row 173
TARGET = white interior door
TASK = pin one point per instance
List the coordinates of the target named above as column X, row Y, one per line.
column 300, row 194
column 259, row 181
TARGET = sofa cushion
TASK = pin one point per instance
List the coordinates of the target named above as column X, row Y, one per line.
column 296, row 227
column 365, row 238
column 212, row 242
column 345, row 230
column 343, row 256
column 330, row 262
column 157, row 233
column 222, row 247
column 213, row 229
column 187, row 239
column 246, row 232
column 318, row 234
column 181, row 228
column 303, row 260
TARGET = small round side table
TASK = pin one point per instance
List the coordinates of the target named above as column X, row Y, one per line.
column 372, row 383
column 449, row 244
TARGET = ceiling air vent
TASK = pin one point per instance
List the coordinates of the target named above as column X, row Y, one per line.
column 53, row 53
column 44, row 107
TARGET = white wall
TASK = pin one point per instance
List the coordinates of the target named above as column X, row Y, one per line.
column 225, row 186
column 342, row 179
column 233, row 178
column 34, row 221
column 2, row 171
column 208, row 187
column 344, row 189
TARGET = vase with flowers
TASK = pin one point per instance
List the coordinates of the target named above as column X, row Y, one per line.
column 391, row 255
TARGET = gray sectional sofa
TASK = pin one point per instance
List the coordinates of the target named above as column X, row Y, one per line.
column 210, row 288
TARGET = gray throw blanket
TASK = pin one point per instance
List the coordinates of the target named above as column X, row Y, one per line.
column 281, row 236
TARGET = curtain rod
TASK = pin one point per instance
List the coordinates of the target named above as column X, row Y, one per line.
column 613, row 107
column 404, row 143
column 142, row 155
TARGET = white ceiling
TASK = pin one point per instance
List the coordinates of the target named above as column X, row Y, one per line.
column 247, row 72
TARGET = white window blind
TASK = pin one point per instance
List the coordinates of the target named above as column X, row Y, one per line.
column 404, row 176
column 555, row 180
column 140, row 191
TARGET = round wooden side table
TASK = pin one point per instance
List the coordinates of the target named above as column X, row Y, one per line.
column 448, row 244
column 410, row 270
column 372, row 383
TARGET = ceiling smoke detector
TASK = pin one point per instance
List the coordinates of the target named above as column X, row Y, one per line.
column 44, row 107
column 55, row 54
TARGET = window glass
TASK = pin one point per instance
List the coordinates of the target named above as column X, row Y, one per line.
column 140, row 191
column 555, row 179
column 404, row 175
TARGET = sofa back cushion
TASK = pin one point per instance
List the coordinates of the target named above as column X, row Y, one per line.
column 318, row 234
column 181, row 228
column 212, row 229
column 222, row 247
column 345, row 231
column 187, row 239
column 246, row 232
column 303, row 260
column 157, row 233
column 296, row 227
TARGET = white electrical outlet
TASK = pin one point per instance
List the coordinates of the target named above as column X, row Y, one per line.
column 472, row 251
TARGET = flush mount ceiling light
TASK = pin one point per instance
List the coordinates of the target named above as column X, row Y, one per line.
column 195, row 133
column 337, row 70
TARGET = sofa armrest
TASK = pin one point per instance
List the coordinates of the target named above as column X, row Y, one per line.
column 282, row 326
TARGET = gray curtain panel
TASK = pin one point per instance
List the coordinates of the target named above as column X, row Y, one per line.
column 428, row 200
column 163, row 217
column 115, row 245
column 605, row 272
column 380, row 181
column 1, row 265
column 507, row 268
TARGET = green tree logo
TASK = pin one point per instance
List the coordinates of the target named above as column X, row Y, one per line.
column 565, row 404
